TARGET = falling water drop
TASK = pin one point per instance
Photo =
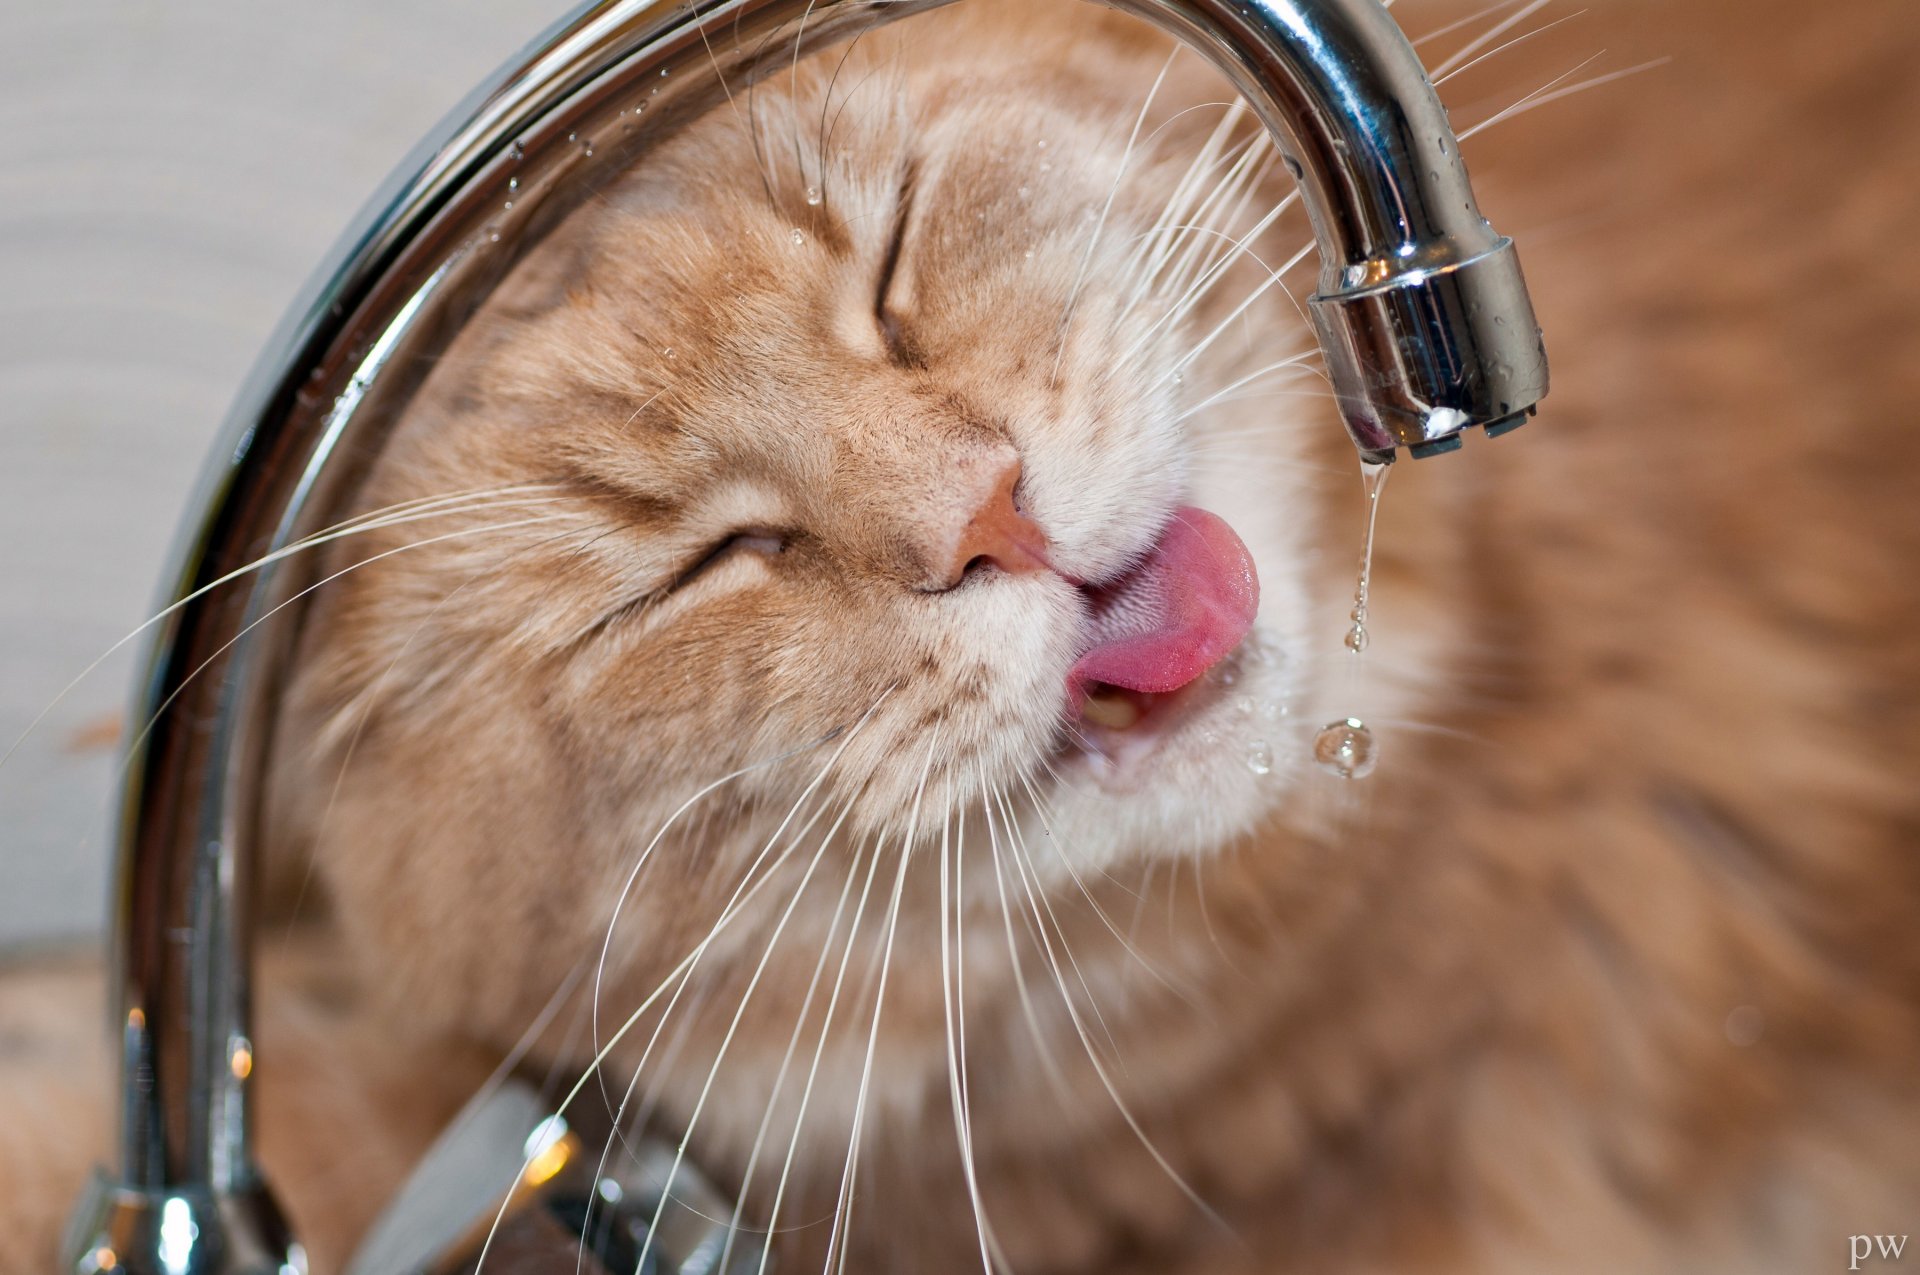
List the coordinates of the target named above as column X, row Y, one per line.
column 1345, row 748
column 1260, row 757
column 1373, row 476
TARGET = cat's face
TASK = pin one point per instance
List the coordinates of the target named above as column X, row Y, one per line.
column 860, row 472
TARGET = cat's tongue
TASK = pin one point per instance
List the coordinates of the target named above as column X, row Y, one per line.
column 1174, row 616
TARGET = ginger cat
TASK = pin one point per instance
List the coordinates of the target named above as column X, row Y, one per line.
column 901, row 570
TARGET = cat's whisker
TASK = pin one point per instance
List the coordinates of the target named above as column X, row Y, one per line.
column 953, row 1006
column 1540, row 97
column 358, row 525
column 1273, row 279
column 1198, row 291
column 1048, row 1063
column 1099, row 225
column 1459, row 24
column 733, row 1027
column 1066, row 861
column 1302, row 360
column 786, row 1061
column 1498, row 49
column 744, row 894
column 135, row 744
column 646, row 854
column 364, row 704
column 1151, row 246
column 820, row 1046
column 1463, row 57
column 1219, row 210
column 838, row 1241
column 1029, row 874
column 1100, row 1070
column 753, row 875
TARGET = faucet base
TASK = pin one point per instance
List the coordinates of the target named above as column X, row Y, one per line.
column 119, row 1230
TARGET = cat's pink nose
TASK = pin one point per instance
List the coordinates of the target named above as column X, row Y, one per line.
column 999, row 534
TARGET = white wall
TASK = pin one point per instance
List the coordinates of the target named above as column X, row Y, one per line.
column 169, row 175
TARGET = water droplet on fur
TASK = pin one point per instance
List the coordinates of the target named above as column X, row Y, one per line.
column 507, row 207
column 1025, row 191
column 668, row 352
column 587, row 150
column 813, row 196
column 1228, row 677
column 1029, row 254
column 1276, row 710
column 573, row 137
column 1046, row 166
column 1260, row 758
column 513, row 183
column 1244, row 706
column 1042, row 143
column 1179, row 378
column 799, row 235
column 516, row 152
column 1345, row 748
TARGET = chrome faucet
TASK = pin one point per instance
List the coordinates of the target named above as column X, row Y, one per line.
column 1421, row 314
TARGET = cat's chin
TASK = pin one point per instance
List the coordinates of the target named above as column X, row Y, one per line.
column 1120, row 736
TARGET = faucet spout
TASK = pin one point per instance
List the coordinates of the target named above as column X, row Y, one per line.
column 1421, row 312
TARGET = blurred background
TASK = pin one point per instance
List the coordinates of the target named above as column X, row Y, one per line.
column 173, row 173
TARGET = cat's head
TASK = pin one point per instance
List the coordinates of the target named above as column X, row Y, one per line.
column 899, row 448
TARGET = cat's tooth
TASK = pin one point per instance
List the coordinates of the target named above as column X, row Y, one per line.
column 1115, row 712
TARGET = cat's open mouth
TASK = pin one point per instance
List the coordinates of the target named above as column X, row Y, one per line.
column 1153, row 632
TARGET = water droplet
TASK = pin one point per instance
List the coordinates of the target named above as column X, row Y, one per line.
column 1042, row 143
column 1260, row 758
column 663, row 72
column 1345, row 748
column 1373, row 477
column 493, row 236
column 813, row 195
column 1276, row 710
column 516, row 152
column 588, row 150
column 1244, row 706
column 573, row 137
column 507, row 207
column 1293, row 166
column 1046, row 166
column 1179, row 378
column 668, row 352
column 1025, row 191
column 1228, row 677
column 799, row 235
column 513, row 183
column 1029, row 254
